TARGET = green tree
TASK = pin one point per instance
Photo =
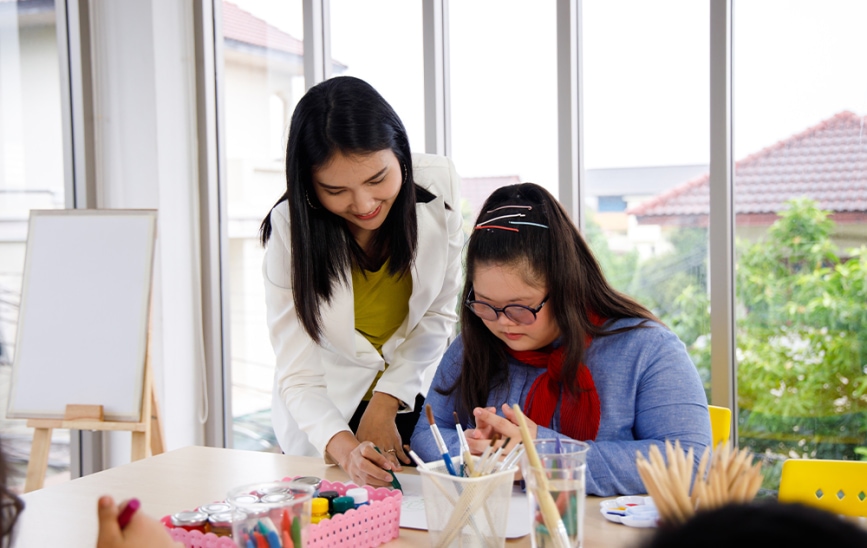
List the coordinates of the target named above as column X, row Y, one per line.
column 802, row 369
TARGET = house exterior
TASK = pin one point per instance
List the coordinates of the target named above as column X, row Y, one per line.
column 826, row 162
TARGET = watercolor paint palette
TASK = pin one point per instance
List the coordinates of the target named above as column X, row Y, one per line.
column 633, row 511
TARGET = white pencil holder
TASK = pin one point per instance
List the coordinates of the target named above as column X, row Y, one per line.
column 466, row 512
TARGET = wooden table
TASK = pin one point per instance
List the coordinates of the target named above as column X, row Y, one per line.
column 65, row 514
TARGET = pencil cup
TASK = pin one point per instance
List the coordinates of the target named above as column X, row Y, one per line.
column 275, row 512
column 463, row 511
column 556, row 492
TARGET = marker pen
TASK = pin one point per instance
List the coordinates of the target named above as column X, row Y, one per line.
column 127, row 512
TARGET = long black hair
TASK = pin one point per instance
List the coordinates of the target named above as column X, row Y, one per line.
column 342, row 115
column 10, row 505
column 548, row 249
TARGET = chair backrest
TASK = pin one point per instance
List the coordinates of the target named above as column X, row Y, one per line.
column 720, row 424
column 838, row 486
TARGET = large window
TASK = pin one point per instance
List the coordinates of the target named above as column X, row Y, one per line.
column 263, row 78
column 31, row 177
column 646, row 143
column 380, row 41
column 503, row 57
column 801, row 229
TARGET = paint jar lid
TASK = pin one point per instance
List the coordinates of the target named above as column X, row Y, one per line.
column 320, row 505
column 271, row 498
column 358, row 494
column 188, row 519
column 247, row 498
column 312, row 481
column 215, row 508
column 330, row 495
column 223, row 519
column 342, row 504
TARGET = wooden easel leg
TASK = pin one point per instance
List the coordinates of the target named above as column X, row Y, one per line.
column 156, row 427
column 38, row 464
column 140, row 442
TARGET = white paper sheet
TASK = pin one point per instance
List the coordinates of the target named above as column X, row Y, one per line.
column 412, row 514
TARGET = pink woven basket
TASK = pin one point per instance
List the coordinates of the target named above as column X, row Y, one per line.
column 366, row 527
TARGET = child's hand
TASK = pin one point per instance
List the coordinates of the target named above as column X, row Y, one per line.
column 488, row 423
column 141, row 531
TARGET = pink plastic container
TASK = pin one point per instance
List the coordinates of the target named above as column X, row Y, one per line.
column 366, row 527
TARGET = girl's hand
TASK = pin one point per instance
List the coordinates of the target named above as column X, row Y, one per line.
column 360, row 460
column 377, row 426
column 141, row 531
column 488, row 423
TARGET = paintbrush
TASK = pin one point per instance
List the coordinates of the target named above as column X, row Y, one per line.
column 438, row 438
column 465, row 447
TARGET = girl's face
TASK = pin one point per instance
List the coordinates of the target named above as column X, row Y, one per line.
column 359, row 188
column 501, row 285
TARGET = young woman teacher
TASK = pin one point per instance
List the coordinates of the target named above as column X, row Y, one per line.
column 362, row 271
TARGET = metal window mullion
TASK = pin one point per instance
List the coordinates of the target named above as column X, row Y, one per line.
column 213, row 230
column 437, row 108
column 317, row 41
column 569, row 108
column 721, row 229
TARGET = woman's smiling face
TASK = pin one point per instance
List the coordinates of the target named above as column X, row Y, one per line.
column 359, row 188
column 501, row 285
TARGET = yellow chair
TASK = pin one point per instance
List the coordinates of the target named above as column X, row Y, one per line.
column 720, row 424
column 838, row 486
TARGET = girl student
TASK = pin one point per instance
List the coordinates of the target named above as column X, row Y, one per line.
column 362, row 272
column 541, row 327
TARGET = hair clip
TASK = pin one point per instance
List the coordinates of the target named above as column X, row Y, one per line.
column 480, row 227
column 501, row 217
column 509, row 206
column 527, row 223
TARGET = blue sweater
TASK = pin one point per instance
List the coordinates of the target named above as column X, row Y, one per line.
column 649, row 389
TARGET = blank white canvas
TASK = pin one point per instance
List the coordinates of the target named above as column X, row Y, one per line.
column 83, row 321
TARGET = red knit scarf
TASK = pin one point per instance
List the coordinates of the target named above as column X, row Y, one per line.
column 579, row 415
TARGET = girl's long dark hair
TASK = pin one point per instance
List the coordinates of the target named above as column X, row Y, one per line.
column 10, row 505
column 341, row 115
column 557, row 258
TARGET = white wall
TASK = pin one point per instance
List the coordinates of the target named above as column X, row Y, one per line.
column 145, row 136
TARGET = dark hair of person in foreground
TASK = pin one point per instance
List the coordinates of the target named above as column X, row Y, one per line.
column 10, row 506
column 761, row 524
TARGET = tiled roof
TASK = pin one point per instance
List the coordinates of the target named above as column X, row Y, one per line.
column 827, row 162
column 245, row 27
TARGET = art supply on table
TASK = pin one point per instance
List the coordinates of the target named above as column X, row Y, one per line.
column 465, row 448
column 725, row 476
column 313, row 481
column 342, row 504
column 539, row 488
column 283, row 508
column 394, row 483
column 466, row 511
column 190, row 521
column 563, row 464
column 441, row 444
column 319, row 510
column 214, row 508
column 127, row 513
column 329, row 495
column 220, row 524
column 359, row 496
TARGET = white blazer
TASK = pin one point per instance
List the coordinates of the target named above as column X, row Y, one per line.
column 317, row 387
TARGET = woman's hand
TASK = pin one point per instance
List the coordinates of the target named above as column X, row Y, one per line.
column 361, row 461
column 377, row 426
column 488, row 424
column 141, row 531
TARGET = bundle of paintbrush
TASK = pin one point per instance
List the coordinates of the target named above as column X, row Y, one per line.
column 726, row 476
column 488, row 463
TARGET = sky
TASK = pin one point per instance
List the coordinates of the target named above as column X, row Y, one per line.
column 645, row 70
